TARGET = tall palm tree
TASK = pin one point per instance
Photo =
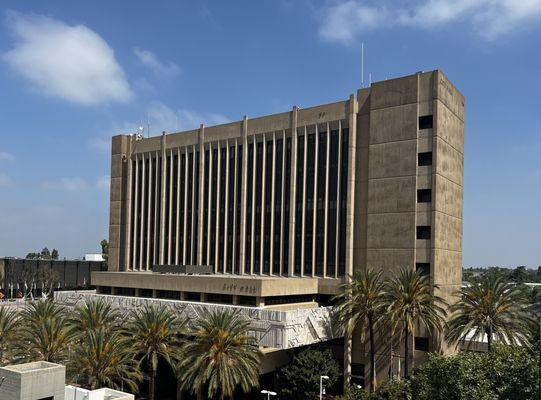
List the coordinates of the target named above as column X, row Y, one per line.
column 489, row 306
column 412, row 303
column 156, row 332
column 220, row 355
column 45, row 336
column 360, row 305
column 105, row 358
column 9, row 330
column 91, row 316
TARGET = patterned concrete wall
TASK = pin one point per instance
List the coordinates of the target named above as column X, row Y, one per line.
column 277, row 329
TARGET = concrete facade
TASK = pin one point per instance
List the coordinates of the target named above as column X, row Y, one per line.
column 295, row 203
column 32, row 381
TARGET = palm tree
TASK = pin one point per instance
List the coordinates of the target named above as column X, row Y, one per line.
column 105, row 358
column 220, row 355
column 412, row 303
column 156, row 333
column 489, row 306
column 91, row 316
column 45, row 336
column 9, row 329
column 361, row 305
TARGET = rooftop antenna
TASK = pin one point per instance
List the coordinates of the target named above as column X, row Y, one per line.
column 369, row 79
column 148, row 124
column 362, row 64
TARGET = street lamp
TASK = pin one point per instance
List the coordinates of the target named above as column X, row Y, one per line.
column 321, row 387
column 268, row 393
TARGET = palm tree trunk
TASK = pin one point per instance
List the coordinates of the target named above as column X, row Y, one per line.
column 372, row 355
column 153, row 385
column 406, row 352
column 489, row 338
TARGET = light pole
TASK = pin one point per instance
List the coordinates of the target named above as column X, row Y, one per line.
column 321, row 387
column 268, row 393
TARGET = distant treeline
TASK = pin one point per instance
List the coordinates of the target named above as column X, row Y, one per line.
column 519, row 274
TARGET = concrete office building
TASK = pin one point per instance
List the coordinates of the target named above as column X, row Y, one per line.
column 283, row 208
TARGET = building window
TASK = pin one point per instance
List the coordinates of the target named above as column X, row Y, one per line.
column 424, row 195
column 425, row 122
column 192, row 296
column 247, row 301
column 423, row 268
column 421, row 343
column 424, row 159
column 357, row 374
column 423, row 232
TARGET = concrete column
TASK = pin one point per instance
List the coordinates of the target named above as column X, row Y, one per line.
column 177, row 205
column 127, row 226
column 304, row 175
column 337, row 240
column 203, row 297
column 282, row 205
column 137, row 292
column 147, row 259
column 142, row 265
column 226, row 206
column 244, row 181
column 154, row 293
column 194, row 215
column 235, row 258
column 155, row 257
column 170, row 211
column 185, row 244
column 351, row 179
column 135, row 212
column 201, row 200
column 259, row 301
column 293, row 191
column 218, row 205
column 162, row 200
column 183, row 296
column 326, row 223
column 254, row 182
column 263, row 206
column 114, row 290
column 236, row 299
column 210, row 188
column 273, row 189
column 315, row 203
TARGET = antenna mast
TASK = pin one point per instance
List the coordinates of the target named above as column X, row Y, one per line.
column 362, row 64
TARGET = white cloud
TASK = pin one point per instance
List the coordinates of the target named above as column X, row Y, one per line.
column 5, row 156
column 67, row 61
column 151, row 61
column 73, row 184
column 163, row 118
column 344, row 21
column 5, row 180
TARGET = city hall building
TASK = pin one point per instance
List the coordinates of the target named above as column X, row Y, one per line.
column 272, row 214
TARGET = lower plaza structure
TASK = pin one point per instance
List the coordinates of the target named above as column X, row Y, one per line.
column 272, row 214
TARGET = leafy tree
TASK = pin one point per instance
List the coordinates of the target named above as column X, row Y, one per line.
column 45, row 254
column 491, row 307
column 519, row 275
column 220, row 356
column 54, row 254
column 299, row 379
column 411, row 303
column 9, row 334
column 105, row 358
column 155, row 333
column 361, row 305
column 44, row 336
column 92, row 315
column 105, row 249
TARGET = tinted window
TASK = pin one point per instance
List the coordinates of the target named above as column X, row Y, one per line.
column 425, row 122
column 424, row 195
column 423, row 232
column 424, row 158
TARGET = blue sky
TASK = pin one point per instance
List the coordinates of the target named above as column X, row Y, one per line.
column 73, row 73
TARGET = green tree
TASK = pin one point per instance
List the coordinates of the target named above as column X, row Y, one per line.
column 220, row 355
column 361, row 305
column 45, row 254
column 9, row 334
column 492, row 307
column 412, row 303
column 45, row 336
column 92, row 315
column 299, row 379
column 155, row 333
column 54, row 254
column 105, row 249
column 105, row 358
